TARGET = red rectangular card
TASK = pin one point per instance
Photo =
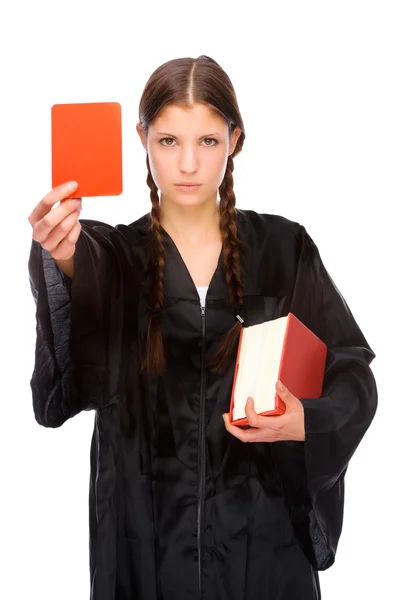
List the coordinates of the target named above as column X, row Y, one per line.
column 86, row 144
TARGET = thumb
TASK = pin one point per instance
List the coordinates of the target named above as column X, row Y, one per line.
column 282, row 390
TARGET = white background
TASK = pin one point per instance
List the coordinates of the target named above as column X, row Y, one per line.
column 317, row 85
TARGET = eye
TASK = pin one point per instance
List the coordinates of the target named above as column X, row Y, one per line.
column 212, row 140
column 160, row 141
column 205, row 139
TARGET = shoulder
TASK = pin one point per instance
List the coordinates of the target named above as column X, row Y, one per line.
column 127, row 244
column 265, row 227
column 117, row 235
column 277, row 236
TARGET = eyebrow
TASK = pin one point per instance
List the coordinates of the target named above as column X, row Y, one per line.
column 173, row 136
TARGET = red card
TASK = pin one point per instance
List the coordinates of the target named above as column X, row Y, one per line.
column 86, row 144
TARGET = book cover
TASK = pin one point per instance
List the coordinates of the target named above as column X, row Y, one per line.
column 86, row 147
column 297, row 357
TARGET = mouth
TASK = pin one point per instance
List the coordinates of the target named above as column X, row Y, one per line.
column 188, row 187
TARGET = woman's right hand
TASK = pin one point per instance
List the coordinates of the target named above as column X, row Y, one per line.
column 57, row 229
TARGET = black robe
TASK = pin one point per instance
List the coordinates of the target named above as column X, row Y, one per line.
column 180, row 509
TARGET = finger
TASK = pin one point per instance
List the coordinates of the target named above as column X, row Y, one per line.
column 281, row 390
column 251, row 414
column 291, row 402
column 60, row 232
column 261, row 421
column 54, row 196
column 253, row 434
column 43, row 228
column 68, row 244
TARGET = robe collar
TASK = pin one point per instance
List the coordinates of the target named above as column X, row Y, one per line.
column 178, row 282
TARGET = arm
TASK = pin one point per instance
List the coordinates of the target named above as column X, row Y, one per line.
column 66, row 266
column 336, row 422
column 71, row 369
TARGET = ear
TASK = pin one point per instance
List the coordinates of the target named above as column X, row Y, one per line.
column 143, row 137
column 234, row 139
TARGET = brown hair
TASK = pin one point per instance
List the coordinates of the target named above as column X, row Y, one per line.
column 183, row 82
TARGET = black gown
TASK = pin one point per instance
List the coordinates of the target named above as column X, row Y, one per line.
column 179, row 508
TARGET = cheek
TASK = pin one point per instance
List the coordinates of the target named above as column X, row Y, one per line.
column 215, row 165
column 218, row 169
column 160, row 166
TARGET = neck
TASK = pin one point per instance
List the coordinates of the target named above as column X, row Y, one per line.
column 191, row 225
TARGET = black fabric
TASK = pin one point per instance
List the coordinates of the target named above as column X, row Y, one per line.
column 170, row 488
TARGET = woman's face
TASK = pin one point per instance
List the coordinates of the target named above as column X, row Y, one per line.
column 188, row 145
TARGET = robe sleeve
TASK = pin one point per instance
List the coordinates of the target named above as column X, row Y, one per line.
column 78, row 326
column 336, row 422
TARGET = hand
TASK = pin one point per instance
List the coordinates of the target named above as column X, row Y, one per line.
column 57, row 229
column 289, row 426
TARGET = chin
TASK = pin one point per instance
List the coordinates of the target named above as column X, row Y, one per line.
column 188, row 198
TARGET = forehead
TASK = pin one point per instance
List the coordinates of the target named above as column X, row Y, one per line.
column 195, row 119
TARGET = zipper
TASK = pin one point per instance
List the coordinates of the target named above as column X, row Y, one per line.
column 201, row 458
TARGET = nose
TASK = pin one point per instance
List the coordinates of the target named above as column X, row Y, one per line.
column 188, row 160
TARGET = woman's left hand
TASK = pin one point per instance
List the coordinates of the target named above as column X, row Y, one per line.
column 289, row 426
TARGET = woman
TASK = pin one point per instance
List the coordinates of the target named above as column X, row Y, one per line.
column 140, row 322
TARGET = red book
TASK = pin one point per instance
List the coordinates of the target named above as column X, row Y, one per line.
column 86, row 145
column 281, row 349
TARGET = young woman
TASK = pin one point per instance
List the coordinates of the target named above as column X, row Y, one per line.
column 140, row 322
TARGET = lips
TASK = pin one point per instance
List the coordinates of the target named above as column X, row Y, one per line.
column 191, row 187
column 187, row 188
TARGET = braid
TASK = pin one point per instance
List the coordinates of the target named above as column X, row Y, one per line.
column 155, row 356
column 231, row 257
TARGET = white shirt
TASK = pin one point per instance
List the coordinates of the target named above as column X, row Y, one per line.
column 202, row 290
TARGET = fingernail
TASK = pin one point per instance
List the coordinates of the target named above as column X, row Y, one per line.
column 280, row 386
column 71, row 185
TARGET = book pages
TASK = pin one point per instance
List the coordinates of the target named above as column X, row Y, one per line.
column 260, row 357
